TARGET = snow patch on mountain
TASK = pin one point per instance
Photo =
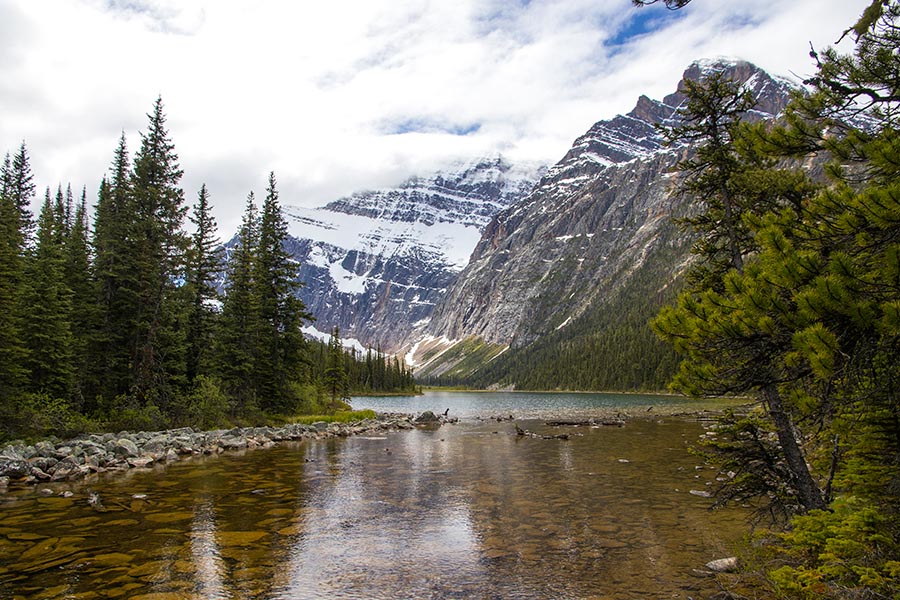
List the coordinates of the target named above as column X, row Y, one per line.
column 376, row 262
column 444, row 241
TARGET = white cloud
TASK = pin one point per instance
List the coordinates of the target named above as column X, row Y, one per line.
column 337, row 96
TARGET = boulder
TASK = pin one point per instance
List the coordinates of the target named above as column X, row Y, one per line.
column 723, row 565
column 427, row 418
column 140, row 461
column 125, row 447
column 14, row 468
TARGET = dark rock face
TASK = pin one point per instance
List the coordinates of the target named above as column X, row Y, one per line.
column 587, row 228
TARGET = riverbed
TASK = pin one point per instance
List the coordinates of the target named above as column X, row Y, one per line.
column 465, row 510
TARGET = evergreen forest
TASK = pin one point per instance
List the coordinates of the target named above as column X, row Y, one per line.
column 111, row 318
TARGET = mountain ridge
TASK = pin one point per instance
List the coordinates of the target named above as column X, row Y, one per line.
column 374, row 263
column 579, row 238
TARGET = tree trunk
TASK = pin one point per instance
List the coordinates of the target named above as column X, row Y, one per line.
column 808, row 491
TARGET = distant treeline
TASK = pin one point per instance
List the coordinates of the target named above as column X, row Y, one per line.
column 609, row 347
column 115, row 322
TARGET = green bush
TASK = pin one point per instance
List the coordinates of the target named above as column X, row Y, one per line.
column 127, row 415
column 39, row 415
column 849, row 551
column 206, row 405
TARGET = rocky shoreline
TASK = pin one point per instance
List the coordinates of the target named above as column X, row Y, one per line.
column 69, row 460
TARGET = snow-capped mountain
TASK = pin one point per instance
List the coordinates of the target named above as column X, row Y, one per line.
column 375, row 263
column 599, row 219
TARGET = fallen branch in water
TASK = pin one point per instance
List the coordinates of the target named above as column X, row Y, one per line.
column 588, row 423
column 525, row 432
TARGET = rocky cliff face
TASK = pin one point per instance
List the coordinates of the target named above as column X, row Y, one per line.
column 376, row 263
column 590, row 225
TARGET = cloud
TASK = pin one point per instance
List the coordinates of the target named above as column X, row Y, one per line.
column 340, row 96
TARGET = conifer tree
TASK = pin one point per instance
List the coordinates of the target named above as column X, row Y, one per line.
column 813, row 325
column 157, row 247
column 281, row 345
column 18, row 186
column 204, row 262
column 47, row 307
column 12, row 348
column 116, row 282
column 79, row 279
column 724, row 357
column 238, row 325
column 336, row 381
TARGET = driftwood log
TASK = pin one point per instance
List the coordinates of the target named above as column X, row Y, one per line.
column 588, row 423
column 525, row 432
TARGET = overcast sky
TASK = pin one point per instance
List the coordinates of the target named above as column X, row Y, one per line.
column 341, row 95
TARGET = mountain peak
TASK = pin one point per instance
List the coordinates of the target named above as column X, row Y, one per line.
column 771, row 92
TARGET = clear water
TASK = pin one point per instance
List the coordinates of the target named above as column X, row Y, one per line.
column 463, row 511
column 540, row 405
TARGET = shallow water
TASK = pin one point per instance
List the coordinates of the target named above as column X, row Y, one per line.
column 464, row 511
column 541, row 405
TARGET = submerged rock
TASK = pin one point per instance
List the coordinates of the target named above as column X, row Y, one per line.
column 427, row 418
column 723, row 565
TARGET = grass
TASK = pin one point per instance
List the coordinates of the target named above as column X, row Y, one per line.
column 341, row 416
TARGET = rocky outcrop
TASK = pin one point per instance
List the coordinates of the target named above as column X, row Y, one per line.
column 48, row 461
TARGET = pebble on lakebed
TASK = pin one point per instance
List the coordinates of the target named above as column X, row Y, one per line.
column 50, row 461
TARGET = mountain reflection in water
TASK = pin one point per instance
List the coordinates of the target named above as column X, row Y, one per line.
column 464, row 511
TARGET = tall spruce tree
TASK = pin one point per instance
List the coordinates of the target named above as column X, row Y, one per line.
column 204, row 262
column 79, row 279
column 281, row 346
column 12, row 242
column 18, row 186
column 117, row 285
column 157, row 247
column 337, row 383
column 47, row 303
column 235, row 342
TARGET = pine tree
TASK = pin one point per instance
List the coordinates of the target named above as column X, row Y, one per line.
column 726, row 352
column 12, row 348
column 79, row 279
column 117, row 285
column 47, row 311
column 158, row 246
column 18, row 186
column 336, row 380
column 238, row 326
column 708, row 119
column 204, row 262
column 281, row 345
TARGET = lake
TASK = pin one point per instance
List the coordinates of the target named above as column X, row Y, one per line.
column 467, row 510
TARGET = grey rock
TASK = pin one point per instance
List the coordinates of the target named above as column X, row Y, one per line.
column 427, row 417
column 45, row 463
column 40, row 474
column 14, row 468
column 140, row 461
column 125, row 447
column 723, row 565
column 232, row 442
column 63, row 471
